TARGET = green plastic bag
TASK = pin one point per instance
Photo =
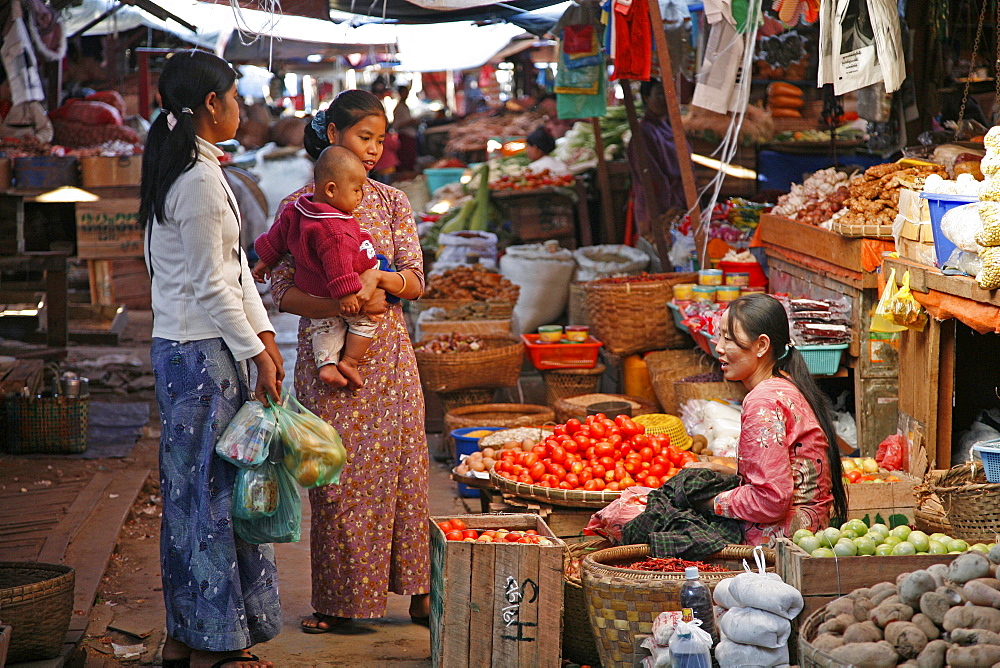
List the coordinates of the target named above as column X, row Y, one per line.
column 285, row 524
column 255, row 493
column 314, row 452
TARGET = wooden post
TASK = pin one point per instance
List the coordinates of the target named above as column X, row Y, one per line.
column 680, row 139
column 656, row 226
column 604, row 182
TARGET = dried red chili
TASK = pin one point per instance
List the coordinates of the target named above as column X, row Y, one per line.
column 675, row 565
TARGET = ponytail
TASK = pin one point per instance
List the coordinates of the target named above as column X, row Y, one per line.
column 171, row 145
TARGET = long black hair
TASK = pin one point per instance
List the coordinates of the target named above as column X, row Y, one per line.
column 187, row 79
column 347, row 110
column 760, row 314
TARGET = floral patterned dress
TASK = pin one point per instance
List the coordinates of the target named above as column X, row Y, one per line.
column 782, row 464
column 369, row 533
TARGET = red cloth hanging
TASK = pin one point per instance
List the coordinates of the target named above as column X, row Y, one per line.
column 633, row 41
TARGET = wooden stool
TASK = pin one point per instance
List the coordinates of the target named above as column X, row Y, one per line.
column 561, row 383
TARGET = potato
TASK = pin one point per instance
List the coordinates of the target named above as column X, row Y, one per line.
column 940, row 573
column 828, row 641
column 935, row 606
column 863, row 608
column 915, row 585
column 478, row 465
column 463, row 469
column 973, row 656
column 929, row 628
column 994, row 554
column 488, row 462
column 983, row 591
column 838, row 624
column 840, row 606
column 868, row 654
column 881, row 592
column 907, row 638
column 887, row 613
column 862, row 632
column 892, row 599
column 974, row 637
column 860, row 592
column 953, row 593
column 972, row 617
column 968, row 566
column 933, row 654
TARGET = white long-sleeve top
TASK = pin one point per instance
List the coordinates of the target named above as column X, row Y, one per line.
column 194, row 258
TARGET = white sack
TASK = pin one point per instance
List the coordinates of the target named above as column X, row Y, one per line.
column 543, row 272
column 455, row 248
column 750, row 626
column 752, row 590
column 594, row 262
column 729, row 653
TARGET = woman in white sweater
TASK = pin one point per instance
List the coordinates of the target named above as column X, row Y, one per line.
column 221, row 593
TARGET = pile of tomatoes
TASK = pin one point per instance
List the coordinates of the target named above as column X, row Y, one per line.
column 456, row 530
column 594, row 455
column 529, row 180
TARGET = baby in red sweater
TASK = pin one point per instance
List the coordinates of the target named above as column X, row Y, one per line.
column 330, row 251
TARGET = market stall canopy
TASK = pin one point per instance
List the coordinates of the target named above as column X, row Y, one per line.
column 218, row 28
column 438, row 11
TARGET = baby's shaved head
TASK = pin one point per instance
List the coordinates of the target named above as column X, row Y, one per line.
column 340, row 165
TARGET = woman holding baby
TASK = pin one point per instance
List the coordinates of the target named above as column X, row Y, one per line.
column 369, row 534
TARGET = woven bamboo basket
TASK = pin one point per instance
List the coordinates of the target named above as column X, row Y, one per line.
column 929, row 514
column 459, row 398
column 576, row 407
column 668, row 366
column 869, row 230
column 671, row 425
column 569, row 498
column 561, row 383
column 578, row 642
column 37, row 601
column 971, row 504
column 498, row 415
column 809, row 656
column 490, row 309
column 50, row 425
column 622, row 603
column 498, row 364
column 630, row 317
column 723, row 389
column 931, row 522
column 576, row 312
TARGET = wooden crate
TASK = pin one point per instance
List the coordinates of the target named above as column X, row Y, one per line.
column 566, row 523
column 876, row 411
column 890, row 503
column 108, row 228
column 539, row 214
column 819, row 244
column 822, row 579
column 122, row 281
column 496, row 604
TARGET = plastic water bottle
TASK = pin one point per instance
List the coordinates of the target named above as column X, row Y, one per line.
column 686, row 652
column 696, row 597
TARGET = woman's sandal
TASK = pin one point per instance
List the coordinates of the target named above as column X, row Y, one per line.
column 330, row 621
column 234, row 659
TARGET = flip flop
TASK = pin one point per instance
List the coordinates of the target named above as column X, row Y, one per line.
column 331, row 622
column 234, row 659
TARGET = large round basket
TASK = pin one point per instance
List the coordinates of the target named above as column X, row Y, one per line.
column 561, row 383
column 724, row 389
column 576, row 311
column 622, row 603
column 929, row 514
column 570, row 498
column 809, row 656
column 37, row 601
column 578, row 643
column 630, row 316
column 497, row 364
column 498, row 415
column 667, row 366
column 576, row 407
column 459, row 398
column 971, row 504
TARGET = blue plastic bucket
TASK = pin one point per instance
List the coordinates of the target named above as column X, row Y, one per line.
column 939, row 204
column 438, row 178
column 466, row 445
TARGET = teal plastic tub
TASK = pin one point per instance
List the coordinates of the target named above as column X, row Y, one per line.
column 438, row 178
column 823, row 360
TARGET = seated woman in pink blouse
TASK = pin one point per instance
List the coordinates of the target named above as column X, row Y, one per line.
column 788, row 460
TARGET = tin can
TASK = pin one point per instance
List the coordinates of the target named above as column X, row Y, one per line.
column 710, row 277
column 577, row 333
column 751, row 289
column 683, row 292
column 550, row 333
column 704, row 293
column 726, row 293
column 70, row 387
column 738, row 278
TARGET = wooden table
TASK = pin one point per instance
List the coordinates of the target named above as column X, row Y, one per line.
column 54, row 284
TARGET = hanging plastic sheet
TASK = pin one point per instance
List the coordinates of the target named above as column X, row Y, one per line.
column 860, row 45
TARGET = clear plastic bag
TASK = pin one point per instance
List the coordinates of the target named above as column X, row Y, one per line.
column 905, row 310
column 282, row 526
column 246, row 440
column 881, row 318
column 314, row 453
column 255, row 493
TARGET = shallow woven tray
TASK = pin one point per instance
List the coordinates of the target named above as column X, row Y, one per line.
column 622, row 603
column 864, row 230
column 576, row 407
column 471, row 481
column 971, row 504
column 498, row 438
column 570, row 498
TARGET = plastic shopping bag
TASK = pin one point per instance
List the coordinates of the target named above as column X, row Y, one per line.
column 881, row 318
column 905, row 310
column 255, row 493
column 246, row 440
column 314, row 453
column 285, row 524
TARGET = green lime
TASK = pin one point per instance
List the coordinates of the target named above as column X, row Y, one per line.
column 904, row 549
column 823, row 552
column 881, row 528
column 865, row 545
column 845, row 548
column 980, row 547
column 883, row 550
column 957, row 546
column 919, row 540
column 799, row 534
column 936, row 547
column 830, row 537
column 901, row 532
column 809, row 543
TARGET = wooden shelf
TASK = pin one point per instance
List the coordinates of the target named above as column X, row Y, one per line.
column 924, row 278
column 828, row 250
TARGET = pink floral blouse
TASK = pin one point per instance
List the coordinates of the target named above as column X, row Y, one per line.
column 782, row 464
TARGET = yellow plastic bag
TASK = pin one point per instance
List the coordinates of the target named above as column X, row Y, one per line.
column 905, row 310
column 314, row 452
column 881, row 318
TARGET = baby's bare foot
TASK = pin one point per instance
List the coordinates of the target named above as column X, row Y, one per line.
column 329, row 374
column 349, row 368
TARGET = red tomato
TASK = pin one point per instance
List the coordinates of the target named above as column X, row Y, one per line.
column 454, row 535
column 620, row 474
column 590, row 485
column 639, row 441
column 544, row 483
column 470, row 533
column 559, row 472
column 458, row 525
column 598, row 470
column 576, row 467
column 646, row 454
column 551, row 479
column 513, row 536
column 687, row 456
column 613, row 487
column 582, row 441
column 627, row 482
column 530, row 532
column 565, row 485
column 632, row 466
column 489, row 532
column 585, row 475
column 558, row 455
column 529, row 459
column 615, row 439
column 598, row 429
column 600, row 483
column 573, row 480
column 539, row 450
column 571, row 446
column 853, row 476
column 604, row 449
column 572, row 426
column 559, row 430
column 599, row 417
column 445, row 526
column 657, row 469
column 607, row 462
column 590, row 452
column 537, row 471
column 526, row 479
column 524, row 539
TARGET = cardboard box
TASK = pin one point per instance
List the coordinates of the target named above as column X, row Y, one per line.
column 496, row 604
column 108, row 228
column 888, row 503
